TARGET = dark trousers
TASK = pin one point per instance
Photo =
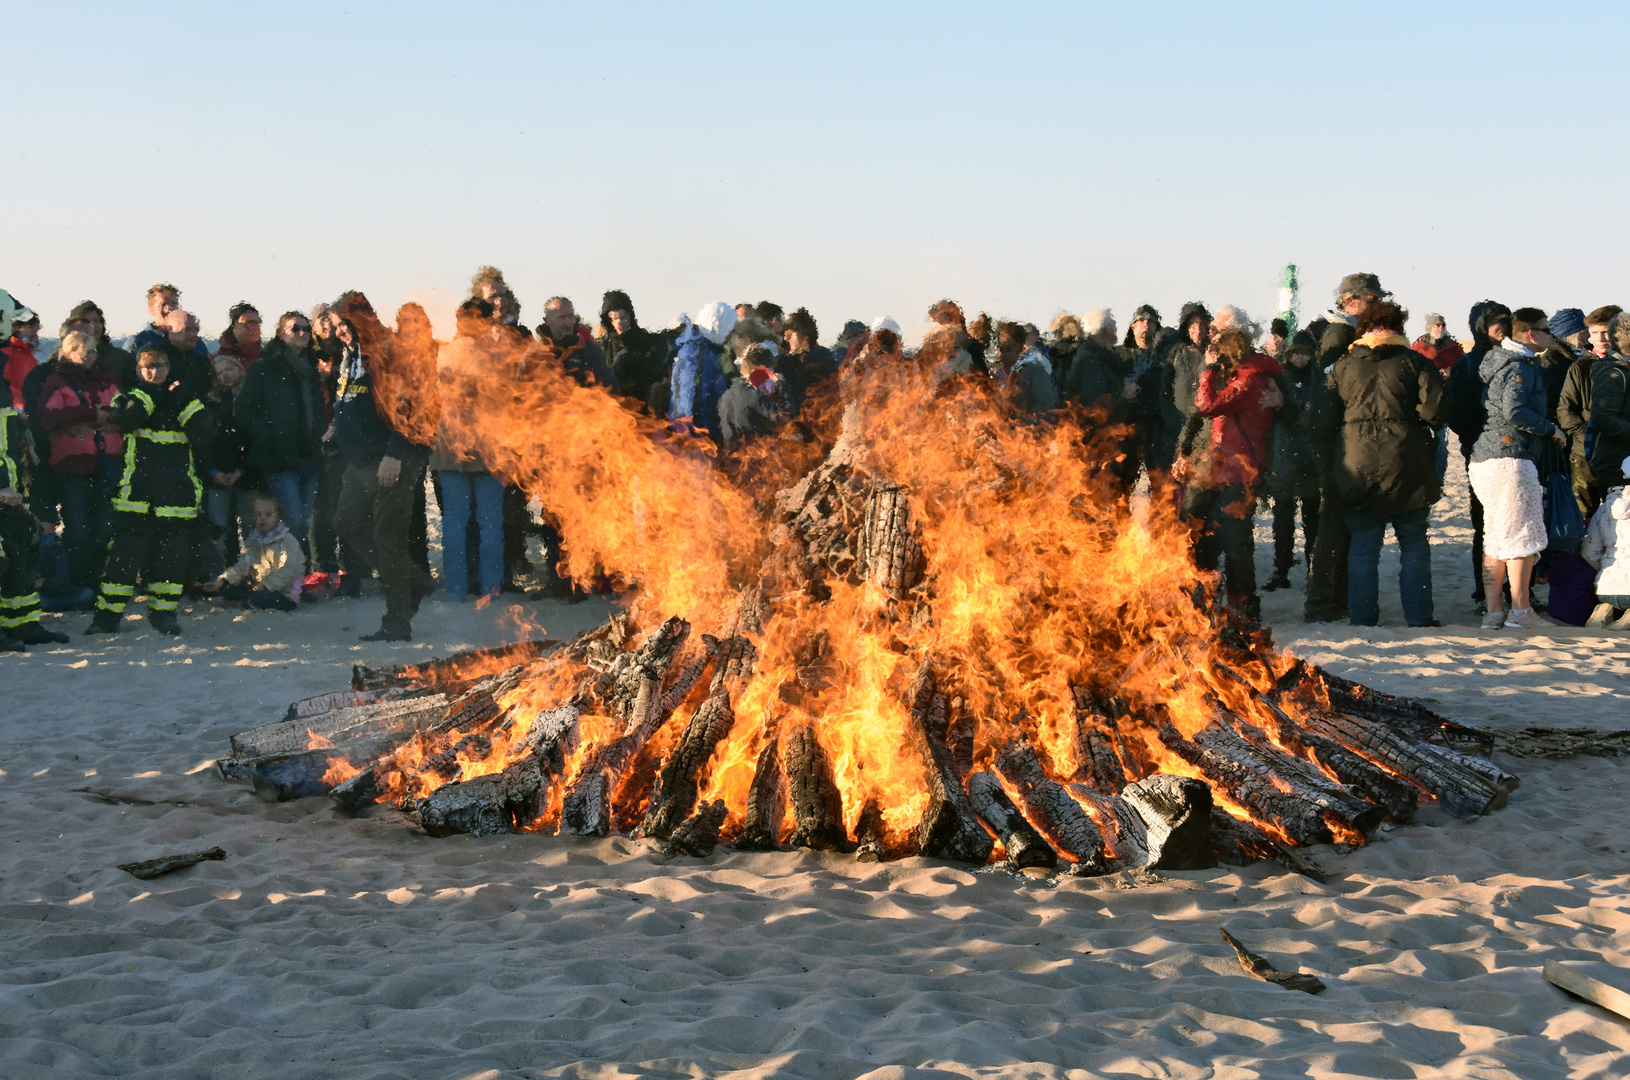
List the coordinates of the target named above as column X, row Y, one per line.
column 152, row 549
column 517, row 524
column 1284, row 528
column 1225, row 515
column 1477, row 545
column 375, row 520
column 19, row 599
column 87, row 519
column 1586, row 491
column 1414, row 566
column 1327, row 568
column 257, row 597
column 330, row 551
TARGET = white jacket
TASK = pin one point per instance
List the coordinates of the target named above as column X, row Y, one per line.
column 1605, row 544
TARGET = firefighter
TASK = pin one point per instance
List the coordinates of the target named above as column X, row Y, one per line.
column 19, row 538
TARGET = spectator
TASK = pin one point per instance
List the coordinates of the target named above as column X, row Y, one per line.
column 382, row 469
column 1568, row 336
column 1437, row 346
column 1383, row 406
column 1278, row 332
column 157, row 498
column 1503, row 472
column 1095, row 380
column 638, row 358
column 118, row 363
column 1295, row 478
column 699, row 378
column 189, row 359
column 1573, row 408
column 18, row 353
column 753, row 403
column 1024, row 373
column 224, row 460
column 162, row 299
column 272, row 568
column 472, row 362
column 413, row 382
column 19, row 534
column 745, row 311
column 1145, row 351
column 241, row 339
column 1238, row 395
column 280, row 412
column 85, row 451
column 1610, row 409
column 804, row 363
column 1190, row 434
column 1467, row 415
column 854, row 333
column 565, row 340
column 1062, row 346
column 1607, row 548
column 770, row 314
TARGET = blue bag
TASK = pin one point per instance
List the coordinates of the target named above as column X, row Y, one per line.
column 1564, row 524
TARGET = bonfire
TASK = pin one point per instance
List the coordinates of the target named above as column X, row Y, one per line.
column 917, row 628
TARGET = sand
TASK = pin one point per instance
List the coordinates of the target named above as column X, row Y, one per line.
column 325, row 946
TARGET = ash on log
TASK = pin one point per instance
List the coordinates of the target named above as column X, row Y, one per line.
column 869, row 834
column 675, row 796
column 948, row 829
column 306, row 708
column 1463, row 792
column 510, row 800
column 1408, row 714
column 817, row 808
column 384, row 720
column 635, row 699
column 1024, row 845
column 766, row 802
column 1059, row 817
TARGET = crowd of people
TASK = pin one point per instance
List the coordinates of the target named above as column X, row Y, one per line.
column 292, row 467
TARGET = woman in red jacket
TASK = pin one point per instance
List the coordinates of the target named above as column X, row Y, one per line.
column 85, row 452
column 1240, row 395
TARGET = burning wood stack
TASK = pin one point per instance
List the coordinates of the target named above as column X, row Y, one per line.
column 824, row 713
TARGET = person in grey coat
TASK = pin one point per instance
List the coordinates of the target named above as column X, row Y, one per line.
column 1503, row 470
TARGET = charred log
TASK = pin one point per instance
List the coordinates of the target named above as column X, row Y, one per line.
column 1463, row 792
column 502, row 802
column 948, row 829
column 817, row 808
column 362, row 723
column 1175, row 812
column 1025, row 846
column 869, row 833
column 1399, row 798
column 1098, row 763
column 1058, row 816
column 766, row 802
column 676, row 792
column 472, row 663
column 891, row 554
column 306, row 708
column 1240, row 843
column 698, row 834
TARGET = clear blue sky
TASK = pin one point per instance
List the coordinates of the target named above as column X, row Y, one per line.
column 859, row 159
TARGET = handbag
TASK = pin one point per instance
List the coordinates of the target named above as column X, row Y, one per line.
column 1564, row 524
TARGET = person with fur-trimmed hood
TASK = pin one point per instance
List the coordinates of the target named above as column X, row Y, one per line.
column 698, row 378
column 1187, row 431
column 638, row 357
column 156, row 501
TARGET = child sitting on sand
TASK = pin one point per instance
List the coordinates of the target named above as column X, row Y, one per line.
column 272, row 567
column 1607, row 547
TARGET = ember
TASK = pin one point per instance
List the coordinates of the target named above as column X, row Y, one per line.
column 947, row 638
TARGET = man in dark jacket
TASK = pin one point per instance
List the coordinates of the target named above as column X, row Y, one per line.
column 638, row 358
column 1467, row 416
column 1573, row 407
column 1383, row 406
column 1296, row 478
column 1610, row 409
column 804, row 363
column 383, row 469
column 1566, row 347
column 566, row 341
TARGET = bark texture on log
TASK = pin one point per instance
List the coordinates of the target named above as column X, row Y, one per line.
column 948, row 829
column 1302, row 776
column 1176, row 814
column 1398, row 797
column 362, row 723
column 817, row 808
column 869, row 834
column 467, row 665
column 306, row 708
column 1240, row 843
column 698, row 834
column 891, row 553
column 1098, row 763
column 1051, row 809
column 766, row 802
column 1461, row 791
column 677, row 784
column 514, row 797
column 1024, row 845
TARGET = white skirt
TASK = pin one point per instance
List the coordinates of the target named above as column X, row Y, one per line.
column 1513, row 507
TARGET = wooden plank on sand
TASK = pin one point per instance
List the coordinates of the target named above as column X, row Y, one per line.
column 1595, row 981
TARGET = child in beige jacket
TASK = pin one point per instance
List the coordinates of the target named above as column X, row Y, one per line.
column 272, row 567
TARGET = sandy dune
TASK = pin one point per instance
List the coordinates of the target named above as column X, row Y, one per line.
column 328, row 947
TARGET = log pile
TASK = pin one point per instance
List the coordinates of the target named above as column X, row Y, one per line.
column 631, row 735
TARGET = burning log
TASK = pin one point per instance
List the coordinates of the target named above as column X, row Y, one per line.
column 817, row 808
column 1171, row 820
column 891, row 555
column 1059, row 817
column 393, row 720
column 1025, row 846
column 1462, row 791
column 870, row 834
column 467, row 665
column 310, row 707
column 1409, row 714
column 1240, row 843
column 1098, row 764
column 698, row 834
column 766, row 802
column 948, row 829
column 635, row 699
column 675, row 797
column 510, row 800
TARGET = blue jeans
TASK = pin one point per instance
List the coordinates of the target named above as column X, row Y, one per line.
column 1443, row 453
column 1364, row 566
column 219, row 503
column 296, row 491
column 87, row 519
column 460, row 492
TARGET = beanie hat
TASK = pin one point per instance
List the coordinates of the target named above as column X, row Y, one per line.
column 1567, row 322
column 1303, row 342
column 1146, row 311
column 715, row 321
column 615, row 300
column 884, row 322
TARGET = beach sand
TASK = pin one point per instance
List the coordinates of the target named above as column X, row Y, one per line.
column 325, row 946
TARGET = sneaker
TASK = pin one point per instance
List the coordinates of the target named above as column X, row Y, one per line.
column 103, row 622
column 1622, row 623
column 1494, row 620
column 1600, row 616
column 1526, row 619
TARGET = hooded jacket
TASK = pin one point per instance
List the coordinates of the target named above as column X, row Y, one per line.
column 279, row 409
column 1554, row 364
column 1514, row 400
column 1240, row 429
column 361, row 433
column 1607, row 544
column 19, row 361
column 68, row 407
column 698, row 379
column 1443, row 352
column 1384, row 406
column 1610, row 414
column 274, row 560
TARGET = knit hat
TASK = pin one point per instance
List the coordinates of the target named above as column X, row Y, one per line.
column 884, row 322
column 1567, row 322
column 715, row 321
column 1146, row 311
column 615, row 300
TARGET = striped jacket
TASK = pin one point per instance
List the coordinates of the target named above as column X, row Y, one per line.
column 161, row 428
